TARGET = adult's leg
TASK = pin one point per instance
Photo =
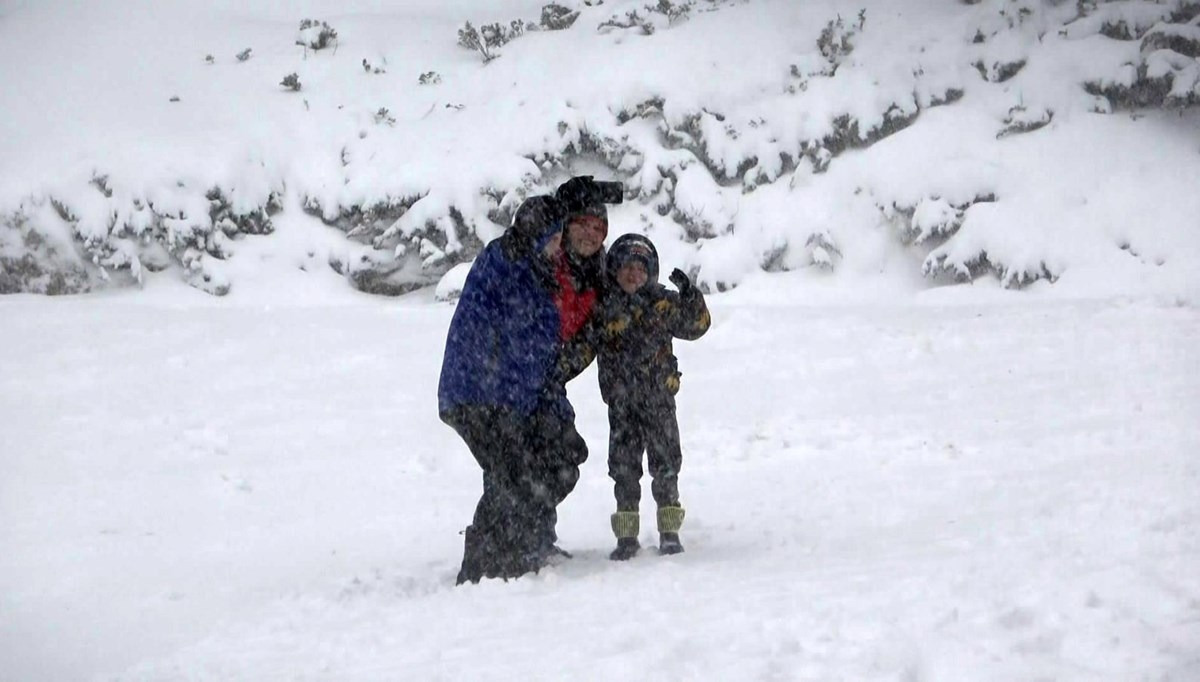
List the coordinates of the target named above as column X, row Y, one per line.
column 494, row 542
column 557, row 450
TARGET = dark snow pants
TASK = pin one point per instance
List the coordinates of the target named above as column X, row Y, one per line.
column 530, row 464
column 557, row 450
column 644, row 425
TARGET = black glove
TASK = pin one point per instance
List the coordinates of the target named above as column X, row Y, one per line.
column 681, row 282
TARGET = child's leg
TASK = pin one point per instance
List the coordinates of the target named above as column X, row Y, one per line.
column 666, row 458
column 625, row 447
column 664, row 453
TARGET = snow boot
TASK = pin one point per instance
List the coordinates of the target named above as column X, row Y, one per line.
column 473, row 557
column 625, row 526
column 670, row 519
column 668, row 543
column 553, row 556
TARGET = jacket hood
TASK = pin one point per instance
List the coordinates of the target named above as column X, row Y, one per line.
column 629, row 247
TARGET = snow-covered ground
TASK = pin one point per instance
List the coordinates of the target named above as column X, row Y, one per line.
column 941, row 489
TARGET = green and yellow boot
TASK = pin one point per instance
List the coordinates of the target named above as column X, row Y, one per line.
column 670, row 519
column 625, row 525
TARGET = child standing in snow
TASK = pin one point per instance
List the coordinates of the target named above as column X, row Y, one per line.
column 639, row 377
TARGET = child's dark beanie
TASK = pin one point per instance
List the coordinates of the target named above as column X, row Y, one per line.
column 630, row 247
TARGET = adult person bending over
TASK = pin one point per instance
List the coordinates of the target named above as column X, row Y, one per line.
column 501, row 351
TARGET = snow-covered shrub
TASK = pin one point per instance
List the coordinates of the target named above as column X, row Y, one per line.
column 429, row 78
column 291, row 82
column 1182, row 39
column 109, row 233
column 933, row 219
column 836, row 41
column 468, row 37
column 998, row 72
column 383, row 116
column 424, row 252
column 413, row 241
column 366, row 224
column 31, row 261
column 673, row 11
column 1022, row 119
column 316, row 35
column 489, row 37
column 496, row 35
column 1128, row 19
column 450, row 287
column 371, row 68
column 556, row 17
column 632, row 19
column 823, row 253
column 1167, row 72
column 659, row 15
column 984, row 241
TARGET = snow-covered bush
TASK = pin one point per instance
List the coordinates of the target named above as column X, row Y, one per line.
column 673, row 11
column 1021, row 119
column 556, row 17
column 32, row 261
column 316, row 35
column 632, row 19
column 291, row 82
column 836, row 41
column 1166, row 71
column 383, row 116
column 489, row 37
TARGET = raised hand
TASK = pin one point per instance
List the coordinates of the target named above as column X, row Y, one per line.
column 681, row 281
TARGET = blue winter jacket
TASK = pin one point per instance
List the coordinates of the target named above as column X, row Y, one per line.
column 503, row 341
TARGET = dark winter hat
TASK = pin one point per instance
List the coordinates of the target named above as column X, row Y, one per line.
column 633, row 247
column 581, row 195
column 537, row 220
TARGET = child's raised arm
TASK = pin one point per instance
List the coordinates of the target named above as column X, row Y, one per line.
column 687, row 316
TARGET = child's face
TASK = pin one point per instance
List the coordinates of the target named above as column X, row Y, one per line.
column 632, row 276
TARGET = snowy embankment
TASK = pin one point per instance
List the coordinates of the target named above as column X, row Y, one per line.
column 1018, row 140
column 937, row 491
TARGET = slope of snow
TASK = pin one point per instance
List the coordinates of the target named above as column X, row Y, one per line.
column 716, row 123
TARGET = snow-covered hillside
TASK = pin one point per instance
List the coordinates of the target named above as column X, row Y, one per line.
column 926, row 142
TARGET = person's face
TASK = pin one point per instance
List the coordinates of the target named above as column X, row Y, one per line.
column 585, row 235
column 553, row 248
column 632, row 276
